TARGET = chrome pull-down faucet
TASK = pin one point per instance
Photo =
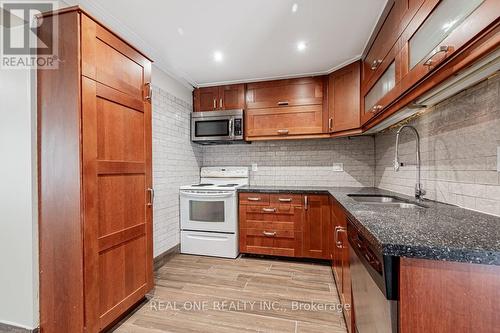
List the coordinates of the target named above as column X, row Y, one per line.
column 419, row 192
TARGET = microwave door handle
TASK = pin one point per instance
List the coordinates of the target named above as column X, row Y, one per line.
column 231, row 128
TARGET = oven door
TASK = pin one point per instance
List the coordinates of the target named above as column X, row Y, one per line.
column 212, row 128
column 208, row 211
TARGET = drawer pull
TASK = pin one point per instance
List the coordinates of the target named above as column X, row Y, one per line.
column 285, row 199
column 282, row 131
column 254, row 199
column 283, row 103
column 269, row 234
column 442, row 48
column 269, row 210
column 375, row 64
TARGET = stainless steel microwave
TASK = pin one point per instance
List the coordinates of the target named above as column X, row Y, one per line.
column 217, row 127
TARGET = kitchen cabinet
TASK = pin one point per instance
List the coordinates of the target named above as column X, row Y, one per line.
column 283, row 122
column 316, row 226
column 432, row 41
column 344, row 98
column 340, row 260
column 292, row 225
column 228, row 97
column 271, row 224
column 95, row 190
column 443, row 296
column 283, row 93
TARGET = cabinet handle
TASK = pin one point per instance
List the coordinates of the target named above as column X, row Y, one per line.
column 215, row 104
column 306, row 202
column 375, row 64
column 283, row 103
column 285, row 199
column 339, row 243
column 269, row 234
column 442, row 48
column 330, row 123
column 149, row 90
column 336, row 237
column 269, row 210
column 151, row 196
column 220, row 103
column 282, row 131
column 376, row 108
column 253, row 199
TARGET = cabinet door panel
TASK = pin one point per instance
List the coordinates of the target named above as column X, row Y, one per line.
column 316, row 226
column 118, row 219
column 344, row 98
column 110, row 61
column 232, row 97
column 206, row 99
column 292, row 92
column 447, row 16
column 284, row 121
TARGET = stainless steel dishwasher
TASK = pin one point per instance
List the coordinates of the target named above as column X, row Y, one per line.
column 374, row 285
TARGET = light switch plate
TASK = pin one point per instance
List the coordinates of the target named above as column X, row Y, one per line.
column 255, row 168
column 338, row 167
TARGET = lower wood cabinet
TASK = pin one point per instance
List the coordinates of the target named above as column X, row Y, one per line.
column 339, row 252
column 291, row 225
column 316, row 226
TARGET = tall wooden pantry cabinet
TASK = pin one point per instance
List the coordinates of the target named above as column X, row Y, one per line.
column 95, row 186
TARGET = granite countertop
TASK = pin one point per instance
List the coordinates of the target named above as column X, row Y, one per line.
column 438, row 232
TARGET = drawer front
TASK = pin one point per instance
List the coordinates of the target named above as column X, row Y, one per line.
column 280, row 218
column 286, row 199
column 254, row 199
column 282, row 93
column 271, row 242
column 298, row 120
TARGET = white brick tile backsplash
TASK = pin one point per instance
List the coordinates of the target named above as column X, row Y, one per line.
column 458, row 142
column 176, row 162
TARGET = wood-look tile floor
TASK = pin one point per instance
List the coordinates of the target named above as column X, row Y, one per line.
column 205, row 294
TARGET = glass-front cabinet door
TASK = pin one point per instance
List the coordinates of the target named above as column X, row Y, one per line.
column 426, row 45
column 447, row 27
column 373, row 100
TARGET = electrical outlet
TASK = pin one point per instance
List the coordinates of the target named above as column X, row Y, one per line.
column 338, row 167
column 255, row 168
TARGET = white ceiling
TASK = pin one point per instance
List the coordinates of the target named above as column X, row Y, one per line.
column 258, row 38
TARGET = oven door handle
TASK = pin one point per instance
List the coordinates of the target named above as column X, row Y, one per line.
column 207, row 194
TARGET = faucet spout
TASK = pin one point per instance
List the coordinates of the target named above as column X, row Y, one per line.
column 419, row 192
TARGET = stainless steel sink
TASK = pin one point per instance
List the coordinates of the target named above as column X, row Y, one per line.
column 387, row 200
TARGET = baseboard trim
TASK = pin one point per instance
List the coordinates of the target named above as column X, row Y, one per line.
column 163, row 258
column 6, row 328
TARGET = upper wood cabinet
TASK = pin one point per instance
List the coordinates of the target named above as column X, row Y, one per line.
column 284, row 122
column 95, row 188
column 280, row 93
column 228, row 97
column 416, row 40
column 344, row 98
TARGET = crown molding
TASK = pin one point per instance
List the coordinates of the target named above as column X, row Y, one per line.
column 131, row 37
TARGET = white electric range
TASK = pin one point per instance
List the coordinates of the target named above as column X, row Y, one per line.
column 209, row 212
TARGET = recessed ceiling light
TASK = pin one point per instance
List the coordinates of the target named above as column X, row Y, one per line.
column 180, row 31
column 301, row 46
column 218, row 56
column 295, row 7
